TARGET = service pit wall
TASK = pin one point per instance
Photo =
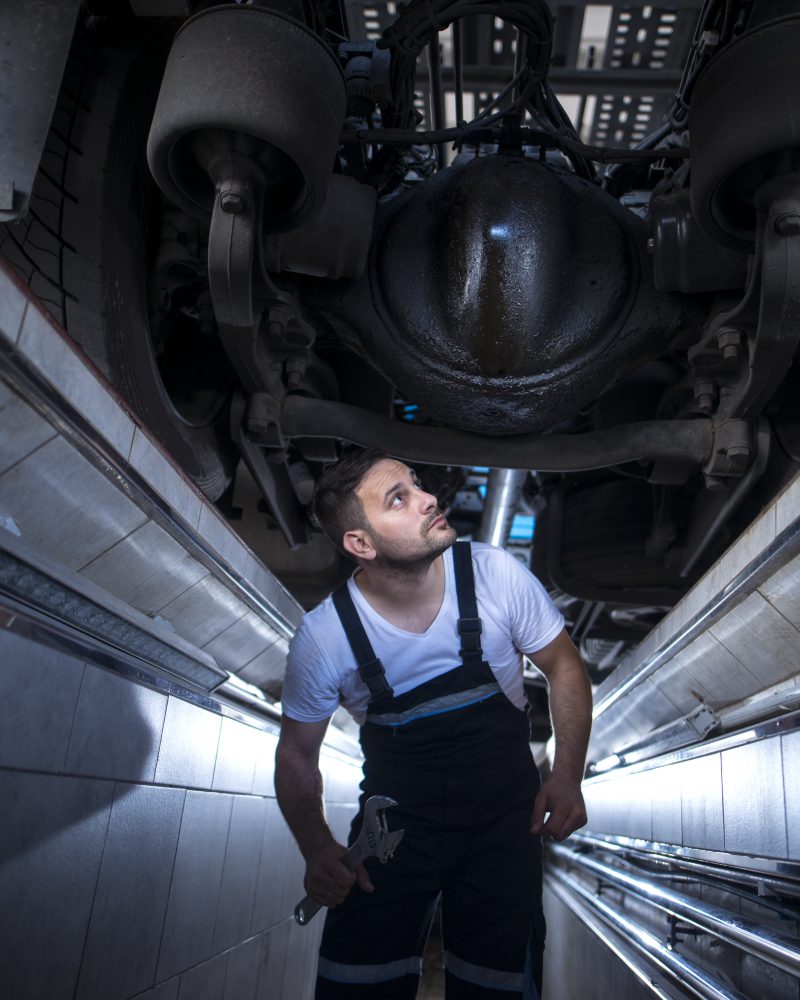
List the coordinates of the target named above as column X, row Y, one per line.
column 142, row 852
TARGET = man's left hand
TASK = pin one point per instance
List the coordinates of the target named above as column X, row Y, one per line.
column 563, row 800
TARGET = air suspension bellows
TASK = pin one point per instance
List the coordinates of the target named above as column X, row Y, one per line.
column 743, row 128
column 248, row 91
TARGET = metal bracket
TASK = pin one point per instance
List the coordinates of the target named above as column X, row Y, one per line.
column 232, row 245
column 715, row 505
column 732, row 450
column 747, row 350
column 272, row 478
column 679, row 930
column 264, row 421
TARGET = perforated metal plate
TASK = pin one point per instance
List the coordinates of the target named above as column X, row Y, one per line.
column 615, row 66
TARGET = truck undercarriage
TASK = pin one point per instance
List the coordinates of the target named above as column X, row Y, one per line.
column 277, row 234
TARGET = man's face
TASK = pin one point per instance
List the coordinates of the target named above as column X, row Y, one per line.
column 405, row 524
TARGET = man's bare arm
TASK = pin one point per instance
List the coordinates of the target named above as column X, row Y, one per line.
column 298, row 786
column 571, row 714
column 298, row 783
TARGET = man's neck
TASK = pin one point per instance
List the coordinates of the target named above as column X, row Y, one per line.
column 409, row 596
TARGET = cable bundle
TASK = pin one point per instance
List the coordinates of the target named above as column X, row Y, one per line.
column 420, row 21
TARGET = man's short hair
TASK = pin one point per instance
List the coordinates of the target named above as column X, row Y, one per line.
column 334, row 505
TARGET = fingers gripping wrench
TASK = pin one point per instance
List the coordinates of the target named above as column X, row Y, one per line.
column 373, row 841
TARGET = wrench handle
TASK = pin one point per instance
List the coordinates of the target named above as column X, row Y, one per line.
column 305, row 910
column 308, row 907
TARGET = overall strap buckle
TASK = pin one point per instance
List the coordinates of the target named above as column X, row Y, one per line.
column 469, row 624
column 374, row 676
column 470, row 631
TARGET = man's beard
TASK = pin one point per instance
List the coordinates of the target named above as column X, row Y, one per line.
column 408, row 558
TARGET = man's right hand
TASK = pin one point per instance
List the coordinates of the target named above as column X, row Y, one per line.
column 328, row 880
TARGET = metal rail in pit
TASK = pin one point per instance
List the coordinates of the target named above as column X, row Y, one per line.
column 711, row 807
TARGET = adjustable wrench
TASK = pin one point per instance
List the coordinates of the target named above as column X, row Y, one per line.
column 373, row 841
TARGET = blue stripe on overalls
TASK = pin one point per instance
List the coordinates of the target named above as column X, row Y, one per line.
column 454, row 752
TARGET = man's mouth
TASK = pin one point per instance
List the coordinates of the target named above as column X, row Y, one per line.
column 437, row 522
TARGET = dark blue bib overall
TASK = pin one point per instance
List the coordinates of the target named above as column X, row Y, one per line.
column 454, row 752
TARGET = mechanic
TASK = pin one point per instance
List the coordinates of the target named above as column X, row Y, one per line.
column 443, row 733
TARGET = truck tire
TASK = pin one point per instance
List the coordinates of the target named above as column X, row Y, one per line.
column 87, row 242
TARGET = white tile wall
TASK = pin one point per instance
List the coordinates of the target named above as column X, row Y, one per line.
column 80, row 512
column 58, row 361
column 762, row 639
column 753, row 800
column 101, row 890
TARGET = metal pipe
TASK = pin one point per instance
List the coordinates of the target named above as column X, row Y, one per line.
column 770, row 946
column 612, row 941
column 436, row 93
column 590, row 612
column 690, row 976
column 458, row 70
column 520, row 58
column 777, row 885
column 576, row 81
column 670, row 876
column 581, row 113
column 503, row 491
column 690, row 441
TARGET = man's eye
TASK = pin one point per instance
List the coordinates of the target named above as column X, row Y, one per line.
column 397, row 497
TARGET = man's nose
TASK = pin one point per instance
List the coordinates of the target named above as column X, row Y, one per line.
column 429, row 502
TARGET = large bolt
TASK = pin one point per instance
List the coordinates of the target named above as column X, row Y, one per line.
column 737, row 455
column 729, row 342
column 788, row 224
column 232, row 202
column 295, row 370
column 704, row 394
column 715, row 484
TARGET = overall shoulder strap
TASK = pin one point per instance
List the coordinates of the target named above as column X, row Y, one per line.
column 370, row 668
column 469, row 624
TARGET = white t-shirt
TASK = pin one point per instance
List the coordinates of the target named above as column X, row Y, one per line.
column 516, row 613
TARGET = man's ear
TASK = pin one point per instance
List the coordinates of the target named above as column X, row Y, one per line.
column 358, row 544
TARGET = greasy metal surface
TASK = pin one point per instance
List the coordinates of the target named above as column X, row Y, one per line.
column 530, row 292
column 684, row 440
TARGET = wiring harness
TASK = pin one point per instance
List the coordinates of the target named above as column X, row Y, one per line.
column 528, row 93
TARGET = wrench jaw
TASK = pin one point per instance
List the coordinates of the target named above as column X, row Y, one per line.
column 378, row 841
column 374, row 809
column 390, row 845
